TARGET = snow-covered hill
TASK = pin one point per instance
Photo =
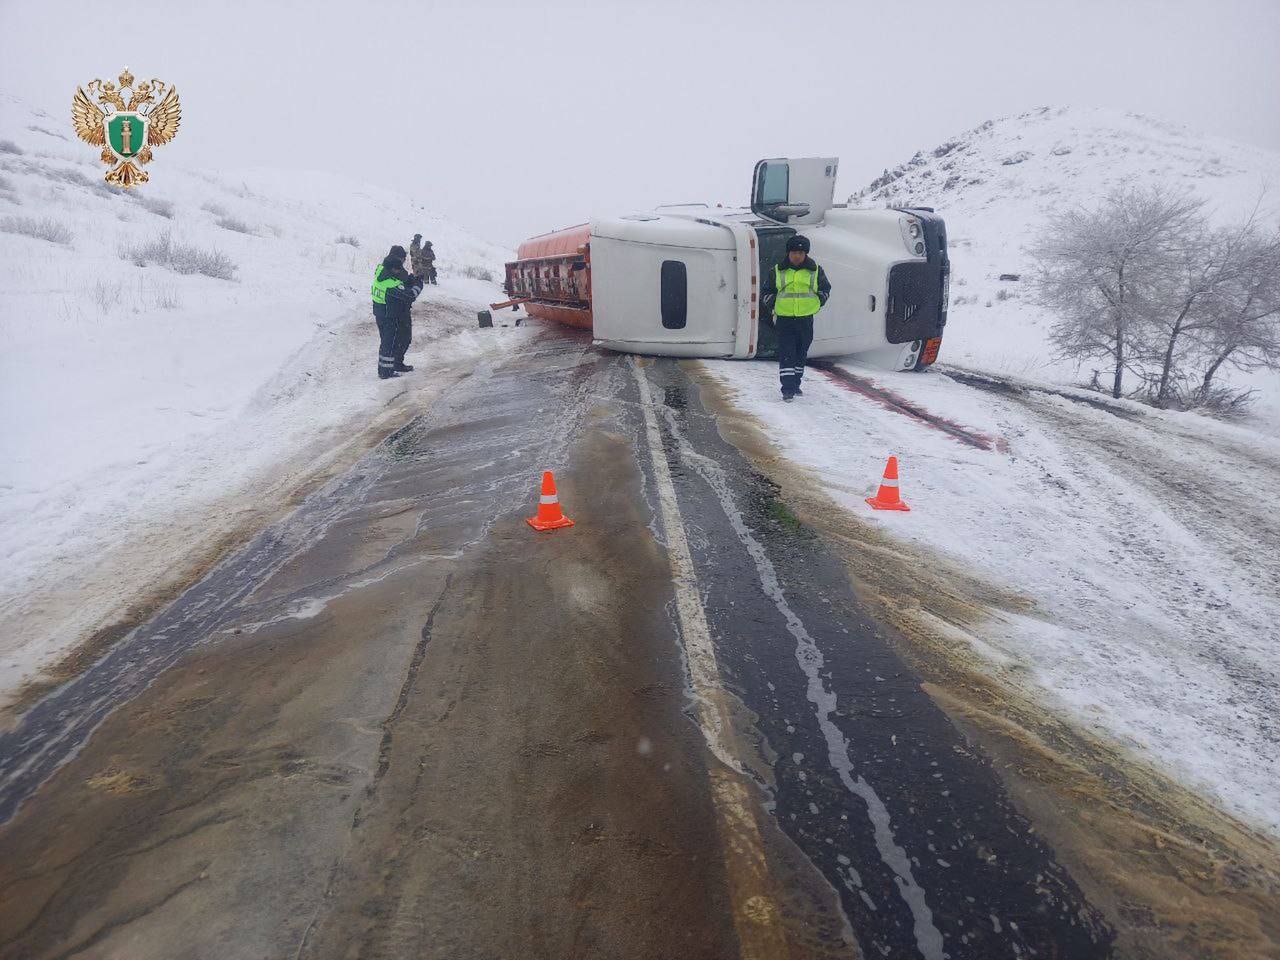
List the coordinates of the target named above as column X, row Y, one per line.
column 998, row 183
column 139, row 395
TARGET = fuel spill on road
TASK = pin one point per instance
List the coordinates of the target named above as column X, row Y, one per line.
column 400, row 724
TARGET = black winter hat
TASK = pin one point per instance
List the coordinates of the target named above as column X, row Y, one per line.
column 397, row 253
column 798, row 243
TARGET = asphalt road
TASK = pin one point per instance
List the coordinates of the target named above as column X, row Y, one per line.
column 402, row 724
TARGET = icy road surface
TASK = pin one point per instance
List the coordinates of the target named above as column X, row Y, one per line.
column 401, row 724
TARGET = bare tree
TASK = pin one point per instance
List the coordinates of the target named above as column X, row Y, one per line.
column 1243, row 331
column 1102, row 271
column 1204, row 262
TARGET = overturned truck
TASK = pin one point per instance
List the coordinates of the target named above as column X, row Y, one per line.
column 685, row 280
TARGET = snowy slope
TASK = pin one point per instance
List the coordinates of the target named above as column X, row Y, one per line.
column 998, row 183
column 136, row 396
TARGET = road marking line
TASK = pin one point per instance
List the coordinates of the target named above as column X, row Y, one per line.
column 756, row 917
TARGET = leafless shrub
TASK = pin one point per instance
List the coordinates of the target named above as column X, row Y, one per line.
column 166, row 298
column 47, row 133
column 71, row 176
column 1224, row 402
column 475, row 272
column 164, row 251
column 42, row 229
column 106, row 295
column 8, row 146
column 1003, row 294
column 234, row 225
column 349, row 240
column 67, row 175
column 161, row 208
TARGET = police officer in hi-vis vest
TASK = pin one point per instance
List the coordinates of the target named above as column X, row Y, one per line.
column 394, row 290
column 796, row 289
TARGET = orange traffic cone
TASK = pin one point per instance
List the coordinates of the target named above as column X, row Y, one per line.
column 549, row 517
column 886, row 497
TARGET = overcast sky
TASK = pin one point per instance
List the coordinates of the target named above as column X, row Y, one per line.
column 516, row 118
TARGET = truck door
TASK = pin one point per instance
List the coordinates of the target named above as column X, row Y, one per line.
column 794, row 191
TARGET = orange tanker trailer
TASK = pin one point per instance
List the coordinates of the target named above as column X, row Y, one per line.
column 551, row 276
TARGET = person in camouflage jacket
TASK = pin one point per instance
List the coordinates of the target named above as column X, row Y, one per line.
column 429, row 258
column 421, row 265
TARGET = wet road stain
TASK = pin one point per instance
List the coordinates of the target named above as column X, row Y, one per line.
column 899, row 404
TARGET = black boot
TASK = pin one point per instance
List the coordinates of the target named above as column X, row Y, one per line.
column 384, row 374
column 402, row 367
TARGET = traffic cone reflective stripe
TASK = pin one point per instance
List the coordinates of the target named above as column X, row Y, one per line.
column 550, row 516
column 886, row 497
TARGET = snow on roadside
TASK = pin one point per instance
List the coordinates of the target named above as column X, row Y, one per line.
column 1146, row 544
column 137, row 399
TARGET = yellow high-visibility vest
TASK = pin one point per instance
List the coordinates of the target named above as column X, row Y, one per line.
column 797, row 292
column 380, row 286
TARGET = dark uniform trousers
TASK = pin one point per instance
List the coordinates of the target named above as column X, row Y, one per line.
column 795, row 335
column 386, row 339
column 402, row 337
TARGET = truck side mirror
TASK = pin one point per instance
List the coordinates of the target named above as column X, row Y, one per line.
column 781, row 211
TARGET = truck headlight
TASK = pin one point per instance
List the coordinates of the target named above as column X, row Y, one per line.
column 912, row 234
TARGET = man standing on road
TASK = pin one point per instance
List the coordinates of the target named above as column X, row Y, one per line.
column 416, row 260
column 429, row 260
column 394, row 291
column 796, row 290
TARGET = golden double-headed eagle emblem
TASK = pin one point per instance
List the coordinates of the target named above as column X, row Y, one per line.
column 126, row 130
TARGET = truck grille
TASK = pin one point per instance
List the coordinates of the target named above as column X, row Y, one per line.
column 914, row 309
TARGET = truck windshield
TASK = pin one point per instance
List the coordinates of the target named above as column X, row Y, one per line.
column 774, row 185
